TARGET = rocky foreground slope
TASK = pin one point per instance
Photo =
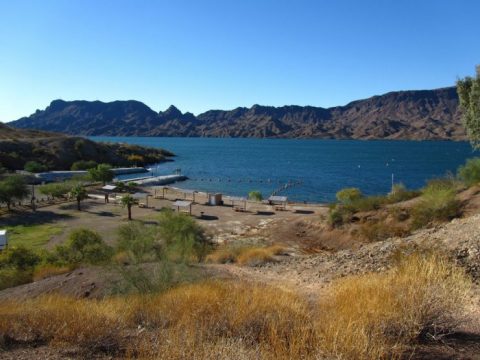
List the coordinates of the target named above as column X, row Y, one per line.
column 424, row 114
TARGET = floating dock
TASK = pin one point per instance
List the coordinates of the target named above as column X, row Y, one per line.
column 52, row 176
column 156, row 180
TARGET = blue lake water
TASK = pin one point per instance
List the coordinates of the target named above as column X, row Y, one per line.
column 318, row 168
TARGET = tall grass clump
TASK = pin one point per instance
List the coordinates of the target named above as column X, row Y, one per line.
column 376, row 316
column 438, row 203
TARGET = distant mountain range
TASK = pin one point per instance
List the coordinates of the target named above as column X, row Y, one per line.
column 418, row 114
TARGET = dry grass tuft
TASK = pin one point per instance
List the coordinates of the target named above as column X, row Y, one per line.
column 250, row 256
column 48, row 270
column 91, row 326
column 376, row 315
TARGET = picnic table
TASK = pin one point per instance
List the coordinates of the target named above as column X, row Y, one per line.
column 183, row 206
column 278, row 202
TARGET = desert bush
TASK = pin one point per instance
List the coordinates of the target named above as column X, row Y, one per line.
column 10, row 277
column 437, row 203
column 400, row 193
column 375, row 316
column 154, row 278
column 184, row 239
column 367, row 203
column 338, row 215
column 19, row 258
column 348, row 195
column 84, row 246
column 470, row 172
column 140, row 243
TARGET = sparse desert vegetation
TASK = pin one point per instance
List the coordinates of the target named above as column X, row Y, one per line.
column 173, row 289
column 363, row 317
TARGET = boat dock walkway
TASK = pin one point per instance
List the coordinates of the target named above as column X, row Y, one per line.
column 156, row 180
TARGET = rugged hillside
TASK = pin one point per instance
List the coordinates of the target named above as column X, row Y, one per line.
column 425, row 114
column 59, row 152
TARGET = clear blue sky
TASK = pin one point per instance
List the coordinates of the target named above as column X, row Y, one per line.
column 220, row 54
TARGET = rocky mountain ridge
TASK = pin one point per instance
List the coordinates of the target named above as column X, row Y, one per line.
column 412, row 115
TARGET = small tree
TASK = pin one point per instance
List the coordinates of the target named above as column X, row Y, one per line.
column 79, row 193
column 13, row 188
column 255, row 195
column 469, row 94
column 128, row 201
column 34, row 167
column 348, row 195
column 102, row 172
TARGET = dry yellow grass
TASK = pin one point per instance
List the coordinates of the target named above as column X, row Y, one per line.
column 364, row 317
column 46, row 271
column 251, row 256
column 376, row 315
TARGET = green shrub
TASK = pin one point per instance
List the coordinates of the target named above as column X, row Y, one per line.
column 470, row 172
column 255, row 195
column 83, row 165
column 10, row 277
column 19, row 258
column 84, row 246
column 438, row 203
column 400, row 193
column 184, row 239
column 348, row 195
column 338, row 215
column 34, row 167
column 140, row 242
column 368, row 203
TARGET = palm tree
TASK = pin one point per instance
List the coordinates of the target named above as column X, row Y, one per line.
column 128, row 201
column 79, row 193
